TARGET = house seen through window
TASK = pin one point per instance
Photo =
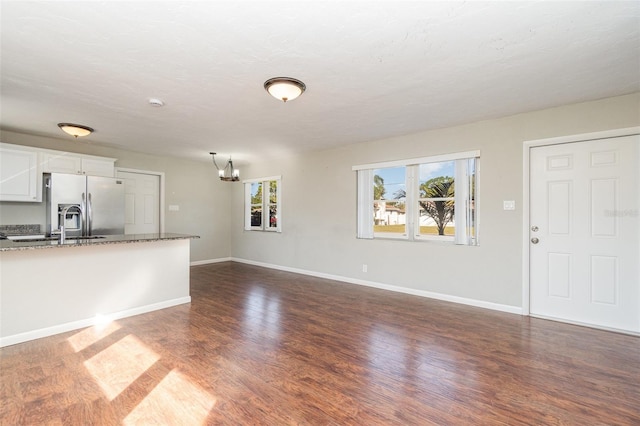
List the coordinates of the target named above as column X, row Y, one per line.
column 431, row 198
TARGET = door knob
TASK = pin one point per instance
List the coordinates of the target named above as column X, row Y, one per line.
column 534, row 240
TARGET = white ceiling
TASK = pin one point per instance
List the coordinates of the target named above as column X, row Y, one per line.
column 372, row 69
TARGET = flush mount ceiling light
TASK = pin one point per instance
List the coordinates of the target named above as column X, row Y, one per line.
column 228, row 173
column 75, row 130
column 284, row 88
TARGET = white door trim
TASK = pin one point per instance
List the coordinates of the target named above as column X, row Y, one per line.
column 525, row 192
column 150, row 172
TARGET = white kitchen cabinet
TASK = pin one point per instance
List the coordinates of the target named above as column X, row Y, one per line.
column 61, row 163
column 20, row 179
column 64, row 162
column 98, row 167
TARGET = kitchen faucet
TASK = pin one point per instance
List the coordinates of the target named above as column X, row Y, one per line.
column 62, row 217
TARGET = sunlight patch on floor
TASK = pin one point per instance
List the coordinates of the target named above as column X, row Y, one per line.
column 118, row 366
column 174, row 401
column 91, row 335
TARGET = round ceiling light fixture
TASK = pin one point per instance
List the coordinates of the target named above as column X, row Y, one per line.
column 284, row 88
column 75, row 130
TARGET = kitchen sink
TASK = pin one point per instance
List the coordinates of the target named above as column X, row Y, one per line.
column 88, row 237
column 31, row 240
column 35, row 240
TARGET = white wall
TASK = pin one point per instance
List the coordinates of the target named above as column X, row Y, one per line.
column 319, row 239
column 194, row 186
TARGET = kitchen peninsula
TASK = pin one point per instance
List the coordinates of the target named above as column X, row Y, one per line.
column 48, row 288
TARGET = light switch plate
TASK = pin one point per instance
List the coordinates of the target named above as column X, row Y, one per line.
column 509, row 205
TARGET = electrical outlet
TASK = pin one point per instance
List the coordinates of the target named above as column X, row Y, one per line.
column 509, row 205
column 364, row 267
column 174, row 208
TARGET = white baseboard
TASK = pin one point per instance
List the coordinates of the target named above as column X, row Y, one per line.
column 439, row 296
column 585, row 324
column 88, row 322
column 208, row 261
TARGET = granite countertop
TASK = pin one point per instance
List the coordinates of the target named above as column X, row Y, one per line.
column 9, row 245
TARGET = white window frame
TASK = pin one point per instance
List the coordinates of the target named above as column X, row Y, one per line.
column 266, row 187
column 365, row 229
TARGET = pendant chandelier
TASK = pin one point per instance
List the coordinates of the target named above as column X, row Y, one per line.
column 228, row 173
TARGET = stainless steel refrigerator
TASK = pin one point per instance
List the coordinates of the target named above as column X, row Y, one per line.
column 94, row 204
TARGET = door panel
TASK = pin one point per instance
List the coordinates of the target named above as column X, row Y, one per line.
column 560, row 275
column 585, row 252
column 142, row 202
column 604, row 279
column 560, row 200
column 603, row 192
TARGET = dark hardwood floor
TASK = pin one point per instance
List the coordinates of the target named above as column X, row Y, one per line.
column 264, row 347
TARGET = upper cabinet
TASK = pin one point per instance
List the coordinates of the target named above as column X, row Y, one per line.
column 61, row 163
column 99, row 166
column 20, row 177
column 21, row 169
column 64, row 162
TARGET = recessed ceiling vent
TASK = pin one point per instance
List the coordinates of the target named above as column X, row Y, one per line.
column 154, row 102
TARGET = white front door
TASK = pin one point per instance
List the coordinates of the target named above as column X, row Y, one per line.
column 585, row 233
column 142, row 202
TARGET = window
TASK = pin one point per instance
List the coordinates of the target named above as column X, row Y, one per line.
column 389, row 201
column 262, row 204
column 430, row 198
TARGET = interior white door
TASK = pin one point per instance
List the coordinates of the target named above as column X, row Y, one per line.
column 585, row 233
column 142, row 202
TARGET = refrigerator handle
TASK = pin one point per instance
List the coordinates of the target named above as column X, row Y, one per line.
column 89, row 215
column 83, row 207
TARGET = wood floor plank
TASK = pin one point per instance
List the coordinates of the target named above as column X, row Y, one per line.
column 259, row 346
